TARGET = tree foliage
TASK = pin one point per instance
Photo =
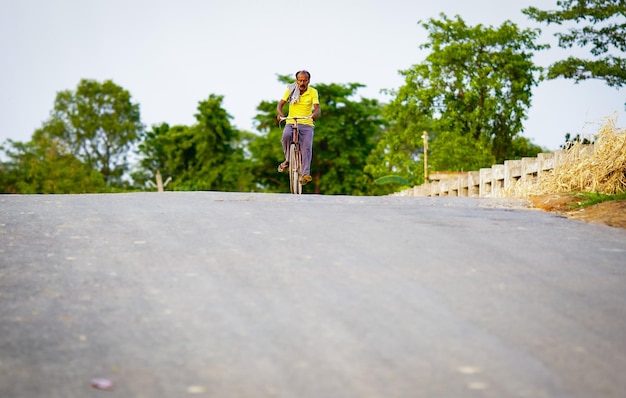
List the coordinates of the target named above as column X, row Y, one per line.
column 600, row 24
column 344, row 138
column 98, row 124
column 472, row 92
column 44, row 165
column 458, row 152
column 208, row 155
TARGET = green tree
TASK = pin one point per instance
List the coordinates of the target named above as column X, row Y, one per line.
column 399, row 151
column 599, row 24
column 345, row 134
column 344, row 139
column 524, row 148
column 45, row 165
column 208, row 155
column 153, row 151
column 455, row 152
column 161, row 149
column 475, row 84
column 98, row 124
column 220, row 149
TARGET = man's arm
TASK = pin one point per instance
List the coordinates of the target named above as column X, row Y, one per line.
column 279, row 109
column 317, row 111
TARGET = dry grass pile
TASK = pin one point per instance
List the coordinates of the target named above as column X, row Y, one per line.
column 599, row 167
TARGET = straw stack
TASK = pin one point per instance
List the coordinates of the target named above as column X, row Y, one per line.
column 598, row 167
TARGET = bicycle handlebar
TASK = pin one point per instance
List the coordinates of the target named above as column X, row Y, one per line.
column 294, row 118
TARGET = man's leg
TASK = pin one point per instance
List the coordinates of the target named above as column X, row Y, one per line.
column 286, row 141
column 306, row 146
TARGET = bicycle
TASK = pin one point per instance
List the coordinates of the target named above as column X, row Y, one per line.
column 295, row 156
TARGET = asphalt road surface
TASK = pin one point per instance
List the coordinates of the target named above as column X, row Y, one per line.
column 272, row 295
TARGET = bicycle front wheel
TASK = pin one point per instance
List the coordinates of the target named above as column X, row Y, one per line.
column 294, row 170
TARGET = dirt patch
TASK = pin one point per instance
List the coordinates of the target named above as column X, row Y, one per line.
column 612, row 213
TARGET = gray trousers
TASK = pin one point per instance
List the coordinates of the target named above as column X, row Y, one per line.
column 305, row 138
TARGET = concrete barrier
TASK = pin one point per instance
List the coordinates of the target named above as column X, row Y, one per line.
column 490, row 182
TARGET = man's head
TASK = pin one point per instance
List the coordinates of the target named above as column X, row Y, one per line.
column 302, row 78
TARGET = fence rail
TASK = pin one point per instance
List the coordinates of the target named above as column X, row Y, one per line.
column 490, row 182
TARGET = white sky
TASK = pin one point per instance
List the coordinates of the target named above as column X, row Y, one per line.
column 171, row 54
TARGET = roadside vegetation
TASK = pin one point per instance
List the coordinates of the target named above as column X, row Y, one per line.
column 593, row 198
column 595, row 168
column 588, row 182
column 588, row 171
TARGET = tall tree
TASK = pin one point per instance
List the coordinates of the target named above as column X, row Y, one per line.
column 98, row 124
column 475, row 83
column 599, row 24
column 208, row 155
column 344, row 135
column 163, row 149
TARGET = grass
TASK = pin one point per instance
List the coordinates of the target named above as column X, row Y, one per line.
column 593, row 198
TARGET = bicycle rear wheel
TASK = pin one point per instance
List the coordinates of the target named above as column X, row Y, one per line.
column 294, row 170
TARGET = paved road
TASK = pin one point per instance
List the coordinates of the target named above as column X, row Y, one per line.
column 257, row 295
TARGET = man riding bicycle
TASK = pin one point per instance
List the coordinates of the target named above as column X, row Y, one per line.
column 303, row 102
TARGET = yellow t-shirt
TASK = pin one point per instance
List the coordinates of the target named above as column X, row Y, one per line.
column 304, row 106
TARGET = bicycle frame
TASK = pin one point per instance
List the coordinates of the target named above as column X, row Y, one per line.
column 295, row 156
